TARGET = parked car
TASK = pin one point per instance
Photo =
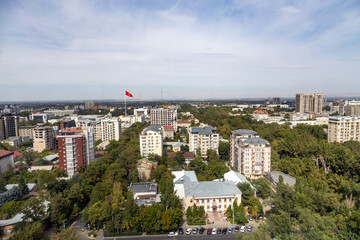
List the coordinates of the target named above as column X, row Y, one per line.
column 230, row 230
column 219, row 231
column 188, row 231
column 214, row 231
column 172, row 234
column 237, row 228
column 181, row 231
column 195, row 230
column 251, row 219
column 249, row 228
column 224, row 230
column 202, row 230
column 209, row 231
column 242, row 229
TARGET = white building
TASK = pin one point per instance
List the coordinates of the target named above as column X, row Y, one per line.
column 151, row 141
column 90, row 143
column 204, row 138
column 110, row 129
column 6, row 160
column 41, row 116
column 342, row 129
column 129, row 120
column 163, row 117
column 141, row 111
column 249, row 154
column 44, row 137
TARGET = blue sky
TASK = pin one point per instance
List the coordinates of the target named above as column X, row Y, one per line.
column 96, row 49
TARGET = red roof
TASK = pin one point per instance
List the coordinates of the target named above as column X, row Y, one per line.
column 17, row 154
column 168, row 128
column 260, row 112
column 56, row 166
column 99, row 154
column 4, row 153
column 70, row 130
column 182, row 121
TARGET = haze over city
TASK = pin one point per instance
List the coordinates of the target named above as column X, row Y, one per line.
column 65, row 50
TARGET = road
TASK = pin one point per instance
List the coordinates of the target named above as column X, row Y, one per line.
column 189, row 237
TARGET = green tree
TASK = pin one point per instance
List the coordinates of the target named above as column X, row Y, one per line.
column 23, row 187
column 247, row 192
column 34, row 209
column 66, row 234
column 31, row 230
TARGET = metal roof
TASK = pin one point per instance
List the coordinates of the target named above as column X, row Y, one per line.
column 155, row 128
column 241, row 132
column 179, row 174
column 254, row 140
column 211, row 189
column 207, row 130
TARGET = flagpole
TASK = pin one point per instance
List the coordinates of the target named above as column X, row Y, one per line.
column 125, row 106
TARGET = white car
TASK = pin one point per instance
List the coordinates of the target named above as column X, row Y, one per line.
column 172, row 234
column 188, row 231
column 242, row 229
column 214, row 231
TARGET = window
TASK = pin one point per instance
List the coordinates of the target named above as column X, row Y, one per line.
column 191, row 200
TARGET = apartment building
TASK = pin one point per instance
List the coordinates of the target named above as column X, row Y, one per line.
column 151, row 141
column 76, row 149
column 44, row 137
column 163, row 117
column 309, row 103
column 89, row 105
column 9, row 126
column 342, row 129
column 204, row 138
column 44, row 117
column 27, row 131
column 352, row 110
column 110, row 129
column 249, row 154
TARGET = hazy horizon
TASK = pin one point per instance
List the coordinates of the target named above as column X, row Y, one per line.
column 88, row 49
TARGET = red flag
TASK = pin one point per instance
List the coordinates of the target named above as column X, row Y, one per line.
column 128, row 94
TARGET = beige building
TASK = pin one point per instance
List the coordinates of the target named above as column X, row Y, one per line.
column 249, row 154
column 309, row 103
column 9, row 126
column 204, row 138
column 352, row 110
column 27, row 131
column 342, row 129
column 44, row 137
column 164, row 117
column 151, row 141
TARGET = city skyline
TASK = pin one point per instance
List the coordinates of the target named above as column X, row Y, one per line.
column 75, row 50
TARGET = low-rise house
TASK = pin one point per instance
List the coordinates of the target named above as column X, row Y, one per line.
column 260, row 115
column 51, row 158
column 177, row 146
column 168, row 132
column 144, row 167
column 145, row 193
column 6, row 160
column 38, row 168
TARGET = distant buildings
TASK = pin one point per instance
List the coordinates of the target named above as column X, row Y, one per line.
column 43, row 117
column 260, row 115
column 76, row 149
column 25, row 131
column 342, row 129
column 9, row 126
column 151, row 141
column 44, row 137
column 352, row 110
column 204, row 138
column 309, row 103
column 249, row 154
column 163, row 117
column 89, row 105
column 6, row 160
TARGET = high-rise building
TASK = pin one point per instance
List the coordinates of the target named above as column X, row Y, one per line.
column 110, row 129
column 151, row 141
column 72, row 146
column 90, row 143
column 352, row 110
column 163, row 117
column 9, row 126
column 89, row 105
column 342, row 129
column 309, row 103
column 249, row 154
column 44, row 137
column 204, row 138
column 27, row 131
column 66, row 124
column 276, row 100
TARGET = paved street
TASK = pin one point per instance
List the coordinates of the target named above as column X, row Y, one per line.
column 187, row 237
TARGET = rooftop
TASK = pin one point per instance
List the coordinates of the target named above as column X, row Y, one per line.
column 155, row 128
column 179, row 174
column 5, row 153
column 143, row 187
column 168, row 128
column 210, row 189
column 203, row 131
column 254, row 140
column 287, row 178
column 241, row 132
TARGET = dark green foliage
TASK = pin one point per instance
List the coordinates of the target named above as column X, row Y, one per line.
column 239, row 213
column 14, row 194
column 263, row 187
column 247, row 192
column 195, row 215
column 23, row 187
